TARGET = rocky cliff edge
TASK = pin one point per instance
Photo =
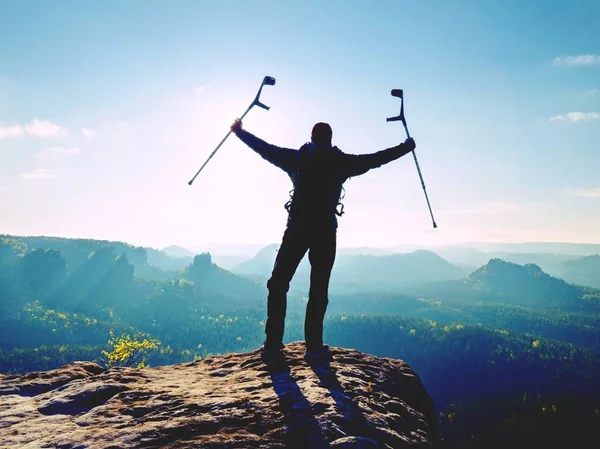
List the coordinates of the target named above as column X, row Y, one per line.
column 346, row 400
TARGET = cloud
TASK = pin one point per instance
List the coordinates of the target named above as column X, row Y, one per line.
column 589, row 193
column 576, row 117
column 3, row 188
column 43, row 128
column 12, row 131
column 41, row 173
column 591, row 92
column 37, row 128
column 61, row 150
column 89, row 134
column 577, row 60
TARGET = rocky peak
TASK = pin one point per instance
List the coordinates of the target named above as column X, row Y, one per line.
column 347, row 400
column 203, row 260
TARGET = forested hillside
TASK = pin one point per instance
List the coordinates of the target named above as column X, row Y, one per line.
column 507, row 346
column 509, row 283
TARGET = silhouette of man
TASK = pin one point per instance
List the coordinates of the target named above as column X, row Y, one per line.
column 318, row 171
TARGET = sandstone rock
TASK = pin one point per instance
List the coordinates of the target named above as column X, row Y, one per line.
column 347, row 400
column 35, row 383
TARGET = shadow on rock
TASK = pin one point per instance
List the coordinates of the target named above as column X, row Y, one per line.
column 353, row 416
column 302, row 427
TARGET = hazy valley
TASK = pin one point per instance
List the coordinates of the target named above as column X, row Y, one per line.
column 502, row 330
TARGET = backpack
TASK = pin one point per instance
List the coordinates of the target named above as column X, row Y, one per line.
column 306, row 164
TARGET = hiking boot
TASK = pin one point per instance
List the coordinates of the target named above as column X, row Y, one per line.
column 316, row 353
column 269, row 348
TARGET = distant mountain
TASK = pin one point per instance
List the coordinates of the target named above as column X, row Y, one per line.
column 582, row 271
column 104, row 276
column 509, row 283
column 405, row 248
column 549, row 262
column 149, row 263
column 361, row 272
column 210, row 278
column 525, row 282
column 578, row 249
column 364, row 251
column 159, row 260
column 463, row 256
column 76, row 252
column 570, row 267
column 393, row 272
column 261, row 265
column 177, row 251
column 247, row 250
column 228, row 262
column 102, row 281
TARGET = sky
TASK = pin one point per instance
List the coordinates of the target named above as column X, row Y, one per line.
column 107, row 109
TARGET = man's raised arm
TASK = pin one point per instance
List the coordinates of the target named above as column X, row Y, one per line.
column 358, row 164
column 284, row 158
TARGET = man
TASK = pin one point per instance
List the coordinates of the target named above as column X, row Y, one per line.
column 318, row 171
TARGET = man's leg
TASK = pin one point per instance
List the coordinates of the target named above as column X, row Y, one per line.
column 293, row 247
column 322, row 257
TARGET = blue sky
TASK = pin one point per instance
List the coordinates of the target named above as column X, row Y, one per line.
column 108, row 108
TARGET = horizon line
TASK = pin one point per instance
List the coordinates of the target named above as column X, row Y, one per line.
column 461, row 243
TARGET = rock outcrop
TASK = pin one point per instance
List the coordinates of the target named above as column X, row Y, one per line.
column 346, row 400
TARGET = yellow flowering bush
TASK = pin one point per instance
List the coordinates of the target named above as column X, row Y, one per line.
column 129, row 351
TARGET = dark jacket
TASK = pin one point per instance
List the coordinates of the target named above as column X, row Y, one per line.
column 318, row 174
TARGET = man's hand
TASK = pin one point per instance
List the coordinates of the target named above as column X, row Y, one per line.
column 236, row 126
column 410, row 144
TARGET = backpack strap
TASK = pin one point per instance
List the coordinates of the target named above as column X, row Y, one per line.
column 289, row 202
column 340, row 204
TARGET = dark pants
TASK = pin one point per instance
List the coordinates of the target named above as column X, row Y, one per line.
column 321, row 247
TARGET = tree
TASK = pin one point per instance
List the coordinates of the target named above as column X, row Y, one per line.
column 128, row 351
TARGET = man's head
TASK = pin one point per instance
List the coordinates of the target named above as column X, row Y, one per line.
column 321, row 134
